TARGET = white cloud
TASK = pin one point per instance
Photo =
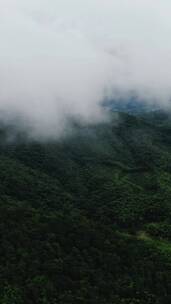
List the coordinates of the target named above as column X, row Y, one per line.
column 58, row 58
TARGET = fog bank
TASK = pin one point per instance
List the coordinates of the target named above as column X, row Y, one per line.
column 59, row 59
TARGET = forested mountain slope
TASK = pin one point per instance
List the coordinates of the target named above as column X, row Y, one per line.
column 87, row 219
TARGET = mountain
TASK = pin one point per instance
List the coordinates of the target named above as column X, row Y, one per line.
column 132, row 105
column 87, row 219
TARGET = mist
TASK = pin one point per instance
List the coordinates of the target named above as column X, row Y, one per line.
column 60, row 59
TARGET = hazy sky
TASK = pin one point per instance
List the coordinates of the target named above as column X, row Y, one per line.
column 59, row 58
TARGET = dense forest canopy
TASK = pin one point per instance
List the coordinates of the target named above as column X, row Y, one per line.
column 87, row 219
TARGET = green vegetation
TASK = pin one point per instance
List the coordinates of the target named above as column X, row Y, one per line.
column 87, row 219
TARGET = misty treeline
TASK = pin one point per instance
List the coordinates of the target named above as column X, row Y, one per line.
column 87, row 219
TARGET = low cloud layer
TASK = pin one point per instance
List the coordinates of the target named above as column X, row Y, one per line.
column 59, row 59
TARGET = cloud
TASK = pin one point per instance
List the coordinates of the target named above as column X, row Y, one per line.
column 60, row 58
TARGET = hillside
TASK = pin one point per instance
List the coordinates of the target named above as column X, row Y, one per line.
column 87, row 219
